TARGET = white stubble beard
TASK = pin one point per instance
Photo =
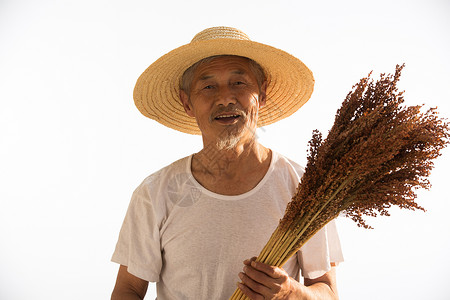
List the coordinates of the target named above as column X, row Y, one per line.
column 228, row 140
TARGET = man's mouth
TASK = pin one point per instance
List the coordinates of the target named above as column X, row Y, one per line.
column 227, row 118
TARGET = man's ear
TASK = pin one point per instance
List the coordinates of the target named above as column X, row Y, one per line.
column 262, row 94
column 186, row 103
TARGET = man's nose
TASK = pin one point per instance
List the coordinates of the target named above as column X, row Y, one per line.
column 225, row 96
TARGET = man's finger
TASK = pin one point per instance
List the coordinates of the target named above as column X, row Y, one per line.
column 255, row 286
column 269, row 270
column 272, row 284
column 248, row 292
column 248, row 261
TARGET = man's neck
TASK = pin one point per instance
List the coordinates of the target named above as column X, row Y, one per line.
column 231, row 171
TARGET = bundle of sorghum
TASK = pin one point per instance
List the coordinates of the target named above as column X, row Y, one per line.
column 375, row 155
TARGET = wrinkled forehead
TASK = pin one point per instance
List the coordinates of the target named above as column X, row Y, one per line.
column 235, row 64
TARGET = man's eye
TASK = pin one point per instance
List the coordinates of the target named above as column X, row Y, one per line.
column 208, row 87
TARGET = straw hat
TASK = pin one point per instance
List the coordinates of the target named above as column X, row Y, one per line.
column 156, row 94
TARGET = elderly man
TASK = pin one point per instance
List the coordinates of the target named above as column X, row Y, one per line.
column 190, row 225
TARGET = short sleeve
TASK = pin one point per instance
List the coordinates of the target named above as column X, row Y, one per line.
column 138, row 246
column 324, row 248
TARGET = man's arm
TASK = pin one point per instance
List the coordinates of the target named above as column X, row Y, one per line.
column 262, row 281
column 324, row 285
column 128, row 286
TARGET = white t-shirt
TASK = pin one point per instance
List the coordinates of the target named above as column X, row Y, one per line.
column 192, row 242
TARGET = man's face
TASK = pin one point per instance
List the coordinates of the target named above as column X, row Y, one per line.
column 225, row 99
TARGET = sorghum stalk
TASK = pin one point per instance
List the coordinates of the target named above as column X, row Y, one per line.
column 375, row 155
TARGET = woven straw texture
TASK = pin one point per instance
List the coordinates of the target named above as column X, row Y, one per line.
column 156, row 94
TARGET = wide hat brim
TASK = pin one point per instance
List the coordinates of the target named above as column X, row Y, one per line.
column 156, row 94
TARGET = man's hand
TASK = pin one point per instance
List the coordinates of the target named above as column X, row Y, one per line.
column 262, row 281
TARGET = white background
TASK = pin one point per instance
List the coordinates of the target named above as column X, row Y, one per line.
column 73, row 147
